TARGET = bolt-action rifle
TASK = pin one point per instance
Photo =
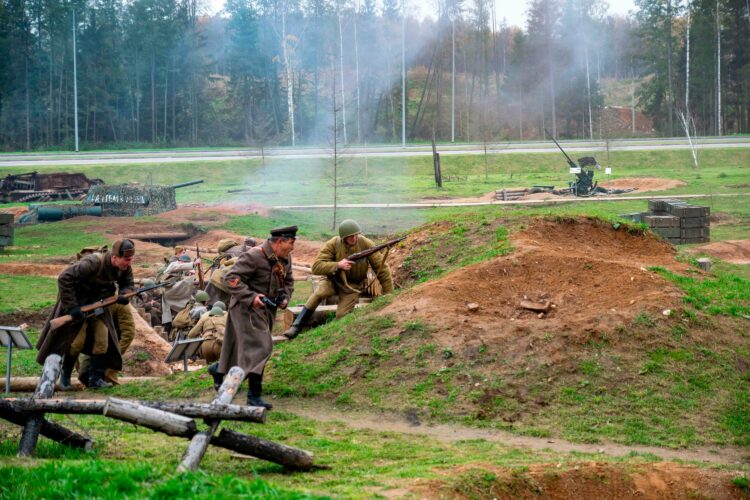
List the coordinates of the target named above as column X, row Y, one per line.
column 98, row 307
column 201, row 283
column 369, row 251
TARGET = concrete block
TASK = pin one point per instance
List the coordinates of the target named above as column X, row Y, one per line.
column 667, row 232
column 695, row 232
column 688, row 211
column 689, row 222
column 661, row 221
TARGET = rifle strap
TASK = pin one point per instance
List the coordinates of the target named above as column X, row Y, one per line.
column 385, row 256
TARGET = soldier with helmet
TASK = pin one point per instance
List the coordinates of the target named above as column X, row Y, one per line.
column 342, row 277
column 211, row 327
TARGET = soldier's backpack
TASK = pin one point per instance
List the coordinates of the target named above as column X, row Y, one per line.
column 217, row 275
column 182, row 319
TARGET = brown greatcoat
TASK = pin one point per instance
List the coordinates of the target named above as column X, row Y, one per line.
column 85, row 282
column 247, row 338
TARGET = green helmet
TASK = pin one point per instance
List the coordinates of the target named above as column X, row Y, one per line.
column 348, row 228
column 216, row 311
column 202, row 296
column 221, row 305
column 147, row 283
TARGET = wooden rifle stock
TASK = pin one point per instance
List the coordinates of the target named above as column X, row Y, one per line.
column 366, row 253
column 201, row 283
column 56, row 323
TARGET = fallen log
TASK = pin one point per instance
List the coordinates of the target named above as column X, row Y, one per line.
column 200, row 441
column 28, row 384
column 289, row 457
column 162, row 421
column 50, row 430
column 45, row 389
column 96, row 407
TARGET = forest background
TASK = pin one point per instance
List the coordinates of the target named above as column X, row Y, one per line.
column 264, row 72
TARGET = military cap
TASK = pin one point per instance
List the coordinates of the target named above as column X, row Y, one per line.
column 123, row 248
column 284, row 232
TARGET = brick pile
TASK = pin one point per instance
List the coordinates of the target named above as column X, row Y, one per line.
column 676, row 221
column 6, row 230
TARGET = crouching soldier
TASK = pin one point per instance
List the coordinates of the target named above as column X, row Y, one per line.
column 211, row 327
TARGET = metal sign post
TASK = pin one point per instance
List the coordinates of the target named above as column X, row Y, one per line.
column 12, row 336
column 184, row 349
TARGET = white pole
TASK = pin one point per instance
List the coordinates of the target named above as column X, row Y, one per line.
column 718, row 71
column 403, row 75
column 453, row 78
column 75, row 82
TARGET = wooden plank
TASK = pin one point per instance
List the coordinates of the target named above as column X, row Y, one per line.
column 199, row 443
column 44, row 389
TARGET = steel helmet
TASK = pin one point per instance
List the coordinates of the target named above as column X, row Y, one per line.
column 202, row 296
column 221, row 305
column 348, row 228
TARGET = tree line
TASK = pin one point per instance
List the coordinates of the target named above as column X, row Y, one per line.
column 159, row 72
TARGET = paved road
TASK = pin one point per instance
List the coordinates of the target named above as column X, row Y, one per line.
column 140, row 157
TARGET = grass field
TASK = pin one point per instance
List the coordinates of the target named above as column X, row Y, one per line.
column 686, row 387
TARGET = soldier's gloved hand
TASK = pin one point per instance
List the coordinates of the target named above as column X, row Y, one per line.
column 284, row 302
column 123, row 300
column 76, row 313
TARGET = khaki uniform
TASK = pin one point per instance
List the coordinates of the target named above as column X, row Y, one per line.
column 212, row 329
column 355, row 281
column 122, row 314
column 90, row 279
column 247, row 340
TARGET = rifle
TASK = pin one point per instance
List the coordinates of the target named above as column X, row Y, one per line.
column 201, row 283
column 100, row 304
column 571, row 163
column 366, row 253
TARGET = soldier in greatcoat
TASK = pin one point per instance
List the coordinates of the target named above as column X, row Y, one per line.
column 259, row 283
column 96, row 276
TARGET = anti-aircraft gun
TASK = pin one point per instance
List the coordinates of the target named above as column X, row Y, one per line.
column 584, row 185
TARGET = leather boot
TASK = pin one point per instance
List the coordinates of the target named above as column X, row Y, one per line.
column 68, row 363
column 302, row 319
column 213, row 369
column 96, row 373
column 255, row 390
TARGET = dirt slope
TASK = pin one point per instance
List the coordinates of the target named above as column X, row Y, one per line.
column 732, row 251
column 595, row 277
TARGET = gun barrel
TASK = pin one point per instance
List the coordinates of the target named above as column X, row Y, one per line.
column 570, row 162
column 186, row 184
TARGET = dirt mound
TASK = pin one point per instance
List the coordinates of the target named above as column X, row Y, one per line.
column 642, row 183
column 593, row 275
column 146, row 354
column 592, row 480
column 732, row 251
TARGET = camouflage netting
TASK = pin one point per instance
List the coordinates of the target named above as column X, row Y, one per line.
column 132, row 199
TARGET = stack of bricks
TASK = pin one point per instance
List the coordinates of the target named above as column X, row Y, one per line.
column 676, row 221
column 6, row 230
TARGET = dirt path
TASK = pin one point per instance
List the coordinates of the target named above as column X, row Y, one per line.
column 407, row 424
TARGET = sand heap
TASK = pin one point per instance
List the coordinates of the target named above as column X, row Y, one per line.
column 146, row 354
column 595, row 278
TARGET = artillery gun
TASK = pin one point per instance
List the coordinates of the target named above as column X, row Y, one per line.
column 584, row 184
column 33, row 186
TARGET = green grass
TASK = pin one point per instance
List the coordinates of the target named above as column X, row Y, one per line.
column 722, row 293
column 26, row 293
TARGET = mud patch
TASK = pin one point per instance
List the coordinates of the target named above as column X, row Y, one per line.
column 591, row 480
column 732, row 251
column 145, row 356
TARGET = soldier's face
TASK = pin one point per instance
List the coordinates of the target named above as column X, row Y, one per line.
column 351, row 240
column 285, row 247
column 122, row 263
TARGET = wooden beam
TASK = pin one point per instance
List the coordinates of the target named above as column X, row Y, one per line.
column 158, row 420
column 199, row 443
column 96, row 407
column 289, row 457
column 44, row 389
column 28, row 384
column 50, row 430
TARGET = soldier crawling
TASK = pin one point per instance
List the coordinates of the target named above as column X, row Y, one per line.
column 342, row 277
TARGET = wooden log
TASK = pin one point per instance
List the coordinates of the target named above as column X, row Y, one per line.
column 96, row 407
column 158, row 420
column 44, row 389
column 199, row 443
column 536, row 306
column 28, row 384
column 318, row 318
column 289, row 457
column 50, row 430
